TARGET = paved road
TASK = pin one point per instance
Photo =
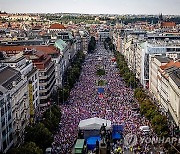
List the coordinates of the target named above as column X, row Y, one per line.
column 84, row 101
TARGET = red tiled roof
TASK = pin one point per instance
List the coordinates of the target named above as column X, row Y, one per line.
column 41, row 61
column 57, row 26
column 168, row 24
column 171, row 63
column 3, row 15
column 16, row 49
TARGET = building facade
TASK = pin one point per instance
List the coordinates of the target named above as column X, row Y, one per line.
column 17, row 86
column 46, row 73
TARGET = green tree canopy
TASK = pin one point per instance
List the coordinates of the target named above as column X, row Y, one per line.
column 39, row 134
column 28, row 148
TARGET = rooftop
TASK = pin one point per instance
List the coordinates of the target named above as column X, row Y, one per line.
column 174, row 73
column 60, row 44
column 44, row 48
column 171, row 64
column 8, row 75
column 168, row 24
column 57, row 26
column 162, row 59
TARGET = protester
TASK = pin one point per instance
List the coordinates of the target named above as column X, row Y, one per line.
column 84, row 102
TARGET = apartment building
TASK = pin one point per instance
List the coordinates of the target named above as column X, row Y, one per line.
column 103, row 34
column 26, row 68
column 78, row 41
column 16, row 86
column 56, row 27
column 164, row 84
column 137, row 47
column 85, row 37
column 46, row 73
column 154, row 64
column 6, row 120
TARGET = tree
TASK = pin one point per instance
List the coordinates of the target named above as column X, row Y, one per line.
column 28, row 148
column 132, row 82
column 64, row 93
column 100, row 72
column 159, row 123
column 92, row 45
column 40, row 135
column 139, row 94
column 52, row 118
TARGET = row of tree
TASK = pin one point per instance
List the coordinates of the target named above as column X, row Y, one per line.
column 153, row 20
column 125, row 72
column 67, row 18
column 158, row 121
column 147, row 108
column 39, row 136
column 108, row 44
column 92, row 45
column 151, row 112
column 101, row 83
column 70, row 78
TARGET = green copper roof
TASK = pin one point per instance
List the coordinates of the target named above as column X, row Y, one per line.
column 60, row 44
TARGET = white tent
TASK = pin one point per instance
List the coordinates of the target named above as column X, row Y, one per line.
column 94, row 124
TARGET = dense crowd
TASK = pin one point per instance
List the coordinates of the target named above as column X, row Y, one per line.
column 84, row 102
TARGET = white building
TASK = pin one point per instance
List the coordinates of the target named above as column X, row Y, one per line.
column 6, row 128
column 137, row 48
column 103, row 34
column 85, row 37
column 17, row 86
column 164, row 85
column 46, row 73
column 26, row 68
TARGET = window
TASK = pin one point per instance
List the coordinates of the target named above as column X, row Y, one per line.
column 9, row 116
column 33, row 79
column 33, row 97
column 5, row 108
column 2, row 102
column 10, row 137
column 4, row 133
column 10, row 126
column 36, row 102
column 36, row 94
column 36, row 85
column 41, row 87
column 2, row 111
column 35, row 76
column 4, row 145
column 42, row 81
column 3, row 122
column 9, row 106
column 8, row 97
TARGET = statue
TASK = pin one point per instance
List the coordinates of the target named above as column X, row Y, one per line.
column 103, row 132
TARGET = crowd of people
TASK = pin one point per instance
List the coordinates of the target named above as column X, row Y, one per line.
column 84, row 102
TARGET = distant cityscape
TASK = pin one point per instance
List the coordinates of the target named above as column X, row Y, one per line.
column 81, row 83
